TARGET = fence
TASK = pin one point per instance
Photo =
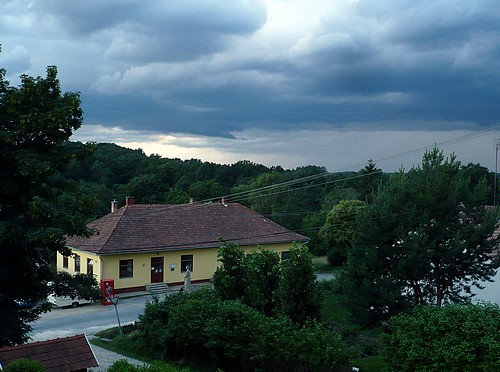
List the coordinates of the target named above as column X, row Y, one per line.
column 290, row 366
column 128, row 328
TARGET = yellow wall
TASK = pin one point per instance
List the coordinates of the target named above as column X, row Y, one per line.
column 202, row 269
column 204, row 265
column 83, row 262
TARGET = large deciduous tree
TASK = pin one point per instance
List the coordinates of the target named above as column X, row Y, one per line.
column 425, row 238
column 298, row 295
column 340, row 228
column 36, row 121
column 252, row 278
column 229, row 278
column 261, row 281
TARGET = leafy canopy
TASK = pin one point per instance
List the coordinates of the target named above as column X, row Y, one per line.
column 36, row 208
column 264, row 283
column 298, row 295
column 340, row 228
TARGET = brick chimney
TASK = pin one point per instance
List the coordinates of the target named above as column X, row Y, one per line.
column 129, row 200
column 114, row 206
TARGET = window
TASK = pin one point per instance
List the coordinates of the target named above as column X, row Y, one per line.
column 126, row 268
column 77, row 263
column 65, row 262
column 186, row 260
column 90, row 266
column 285, row 255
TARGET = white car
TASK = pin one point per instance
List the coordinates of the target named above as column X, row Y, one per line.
column 61, row 301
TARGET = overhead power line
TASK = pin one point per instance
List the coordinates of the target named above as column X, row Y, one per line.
column 270, row 189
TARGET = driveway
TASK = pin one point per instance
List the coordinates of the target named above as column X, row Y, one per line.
column 88, row 319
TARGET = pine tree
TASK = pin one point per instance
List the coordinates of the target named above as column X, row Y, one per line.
column 425, row 238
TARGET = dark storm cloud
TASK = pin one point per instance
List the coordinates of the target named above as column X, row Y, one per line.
column 216, row 67
column 155, row 30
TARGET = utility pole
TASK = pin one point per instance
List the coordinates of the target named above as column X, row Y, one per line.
column 114, row 300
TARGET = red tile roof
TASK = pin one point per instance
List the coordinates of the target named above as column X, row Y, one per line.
column 59, row 355
column 156, row 227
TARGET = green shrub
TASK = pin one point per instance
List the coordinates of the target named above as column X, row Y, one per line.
column 298, row 295
column 25, row 365
column 157, row 366
column 122, row 366
column 177, row 323
column 189, row 318
column 449, row 338
column 234, row 334
column 330, row 286
column 233, row 330
column 319, row 345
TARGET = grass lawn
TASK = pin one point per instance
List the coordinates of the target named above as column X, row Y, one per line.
column 369, row 364
column 125, row 345
column 335, row 309
column 321, row 265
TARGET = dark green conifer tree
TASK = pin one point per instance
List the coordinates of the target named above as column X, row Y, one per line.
column 425, row 238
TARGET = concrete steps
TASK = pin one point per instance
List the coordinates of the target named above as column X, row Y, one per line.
column 158, row 288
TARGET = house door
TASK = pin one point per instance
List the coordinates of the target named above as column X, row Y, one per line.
column 156, row 269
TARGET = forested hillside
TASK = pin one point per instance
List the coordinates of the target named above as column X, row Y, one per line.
column 297, row 198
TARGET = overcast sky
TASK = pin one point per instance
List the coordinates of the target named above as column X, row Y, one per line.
column 297, row 82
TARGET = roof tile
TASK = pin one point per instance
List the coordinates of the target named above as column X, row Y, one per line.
column 158, row 227
column 58, row 355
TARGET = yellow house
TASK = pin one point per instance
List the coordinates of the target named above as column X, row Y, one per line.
column 141, row 244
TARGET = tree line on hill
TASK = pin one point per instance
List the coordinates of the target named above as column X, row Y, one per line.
column 299, row 199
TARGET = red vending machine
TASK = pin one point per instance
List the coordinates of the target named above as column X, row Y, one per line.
column 107, row 290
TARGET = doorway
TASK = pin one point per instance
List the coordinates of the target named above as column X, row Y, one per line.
column 156, row 269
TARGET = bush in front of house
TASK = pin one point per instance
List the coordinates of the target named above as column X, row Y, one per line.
column 175, row 325
column 449, row 338
column 25, row 365
column 158, row 366
column 233, row 334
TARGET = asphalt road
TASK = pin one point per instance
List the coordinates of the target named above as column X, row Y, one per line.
column 88, row 319
column 92, row 318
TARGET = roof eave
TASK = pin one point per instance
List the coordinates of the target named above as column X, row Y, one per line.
column 183, row 248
